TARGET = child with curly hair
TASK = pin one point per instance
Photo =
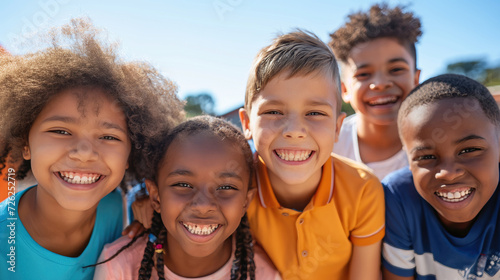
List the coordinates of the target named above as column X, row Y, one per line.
column 377, row 55
column 200, row 188
column 80, row 120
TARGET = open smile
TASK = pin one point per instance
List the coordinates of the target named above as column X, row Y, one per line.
column 293, row 155
column 383, row 100
column 79, row 178
column 199, row 229
column 454, row 196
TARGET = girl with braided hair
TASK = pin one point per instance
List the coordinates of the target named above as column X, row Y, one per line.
column 200, row 188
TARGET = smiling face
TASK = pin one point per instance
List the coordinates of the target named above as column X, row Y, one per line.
column 377, row 77
column 293, row 123
column 79, row 148
column 453, row 149
column 202, row 194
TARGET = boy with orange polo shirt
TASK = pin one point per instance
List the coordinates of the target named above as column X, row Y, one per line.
column 317, row 215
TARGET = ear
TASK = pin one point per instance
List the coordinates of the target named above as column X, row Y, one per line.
column 250, row 195
column 338, row 125
column 26, row 153
column 245, row 123
column 416, row 80
column 154, row 195
column 346, row 96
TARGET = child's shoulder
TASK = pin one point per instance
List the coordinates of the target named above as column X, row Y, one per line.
column 264, row 267
column 348, row 168
column 112, row 202
column 126, row 264
column 135, row 248
column 399, row 190
column 401, row 179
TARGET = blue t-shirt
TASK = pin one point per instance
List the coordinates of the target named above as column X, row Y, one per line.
column 22, row 258
column 416, row 244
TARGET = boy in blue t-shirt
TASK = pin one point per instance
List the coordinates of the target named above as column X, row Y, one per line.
column 442, row 219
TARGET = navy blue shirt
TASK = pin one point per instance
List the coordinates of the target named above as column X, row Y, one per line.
column 416, row 243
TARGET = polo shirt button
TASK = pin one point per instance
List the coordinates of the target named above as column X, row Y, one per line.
column 301, row 221
column 304, row 253
column 284, row 214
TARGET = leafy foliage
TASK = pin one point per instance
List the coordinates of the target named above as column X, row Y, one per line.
column 202, row 103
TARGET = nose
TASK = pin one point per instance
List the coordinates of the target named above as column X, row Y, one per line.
column 83, row 151
column 380, row 82
column 449, row 170
column 203, row 202
column 294, row 127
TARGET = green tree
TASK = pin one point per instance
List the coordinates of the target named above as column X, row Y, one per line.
column 202, row 103
column 476, row 69
column 347, row 108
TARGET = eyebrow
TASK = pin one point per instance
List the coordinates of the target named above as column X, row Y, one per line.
column 180, row 172
column 184, row 172
column 470, row 137
column 230, row 175
column 318, row 103
column 465, row 139
column 397, row 59
column 271, row 102
column 72, row 120
column 112, row 126
column 420, row 148
column 60, row 119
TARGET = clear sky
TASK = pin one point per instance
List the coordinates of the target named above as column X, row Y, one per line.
column 209, row 45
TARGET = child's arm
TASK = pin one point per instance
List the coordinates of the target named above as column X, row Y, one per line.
column 389, row 276
column 365, row 262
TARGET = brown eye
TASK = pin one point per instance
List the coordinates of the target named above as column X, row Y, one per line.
column 60, row 131
column 182, row 185
column 468, row 150
column 227, row 187
column 110, row 138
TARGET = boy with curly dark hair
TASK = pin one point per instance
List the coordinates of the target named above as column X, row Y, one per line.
column 443, row 212
column 80, row 119
column 377, row 55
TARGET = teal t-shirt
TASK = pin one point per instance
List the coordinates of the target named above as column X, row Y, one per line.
column 22, row 258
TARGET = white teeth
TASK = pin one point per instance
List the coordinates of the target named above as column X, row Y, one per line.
column 200, row 229
column 383, row 100
column 84, row 179
column 455, row 196
column 293, row 155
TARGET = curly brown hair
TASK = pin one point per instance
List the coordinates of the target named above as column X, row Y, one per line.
column 77, row 57
column 380, row 21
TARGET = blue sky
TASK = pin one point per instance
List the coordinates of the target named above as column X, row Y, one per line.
column 209, row 45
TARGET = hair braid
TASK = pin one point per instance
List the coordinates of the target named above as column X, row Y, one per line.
column 119, row 251
column 147, row 260
column 160, row 263
column 243, row 264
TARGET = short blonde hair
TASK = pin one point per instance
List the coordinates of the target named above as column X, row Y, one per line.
column 299, row 52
